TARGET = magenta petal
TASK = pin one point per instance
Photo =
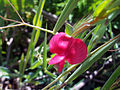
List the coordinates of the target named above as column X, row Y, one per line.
column 61, row 65
column 56, row 59
column 59, row 43
column 77, row 52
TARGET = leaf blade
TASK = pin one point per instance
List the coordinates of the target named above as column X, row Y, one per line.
column 93, row 57
column 64, row 15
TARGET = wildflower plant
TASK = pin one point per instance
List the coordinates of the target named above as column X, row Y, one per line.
column 76, row 44
column 66, row 47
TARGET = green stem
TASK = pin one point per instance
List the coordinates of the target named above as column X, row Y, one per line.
column 9, row 26
column 111, row 80
column 72, row 77
column 45, row 58
column 28, row 52
column 61, row 75
column 26, row 24
column 46, row 30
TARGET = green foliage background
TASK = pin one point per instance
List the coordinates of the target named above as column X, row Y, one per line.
column 19, row 48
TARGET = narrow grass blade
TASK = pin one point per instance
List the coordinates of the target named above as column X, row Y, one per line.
column 106, row 8
column 21, row 63
column 111, row 34
column 101, row 7
column 83, row 34
column 45, row 52
column 1, row 45
column 45, row 58
column 36, row 21
column 112, row 79
column 92, row 58
column 97, row 35
column 86, row 37
column 37, row 35
column 64, row 15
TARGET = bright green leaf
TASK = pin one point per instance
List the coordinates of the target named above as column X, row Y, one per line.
column 69, row 29
column 64, row 15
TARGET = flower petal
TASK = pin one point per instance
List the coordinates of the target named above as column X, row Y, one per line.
column 56, row 59
column 61, row 65
column 59, row 43
column 77, row 52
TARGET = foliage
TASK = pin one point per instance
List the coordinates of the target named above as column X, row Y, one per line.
column 25, row 34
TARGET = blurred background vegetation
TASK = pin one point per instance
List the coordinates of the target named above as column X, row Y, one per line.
column 10, row 54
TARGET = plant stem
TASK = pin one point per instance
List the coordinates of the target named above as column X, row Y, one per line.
column 92, row 53
column 49, row 31
column 61, row 75
column 9, row 26
column 26, row 24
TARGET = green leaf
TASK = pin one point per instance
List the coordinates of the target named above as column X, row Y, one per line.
column 45, row 58
column 112, row 79
column 97, row 35
column 32, row 75
column 36, row 64
column 23, row 4
column 92, row 58
column 64, row 15
column 86, row 37
column 114, row 3
column 36, row 20
column 4, row 71
column 69, row 29
column 21, row 63
column 0, row 43
column 83, row 34
column 35, row 35
column 38, row 32
column 45, row 52
column 106, row 8
column 100, row 8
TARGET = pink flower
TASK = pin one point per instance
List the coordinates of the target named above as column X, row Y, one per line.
column 66, row 48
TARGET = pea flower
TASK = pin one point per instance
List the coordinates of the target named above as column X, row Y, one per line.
column 66, row 48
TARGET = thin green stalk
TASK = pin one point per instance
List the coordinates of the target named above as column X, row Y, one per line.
column 28, row 52
column 88, row 63
column 73, row 66
column 52, row 88
column 46, row 30
column 26, row 24
column 21, row 65
column 112, row 78
column 61, row 75
column 45, row 52
column 9, row 26
column 83, row 34
column 86, row 37
column 111, row 34
column 45, row 58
